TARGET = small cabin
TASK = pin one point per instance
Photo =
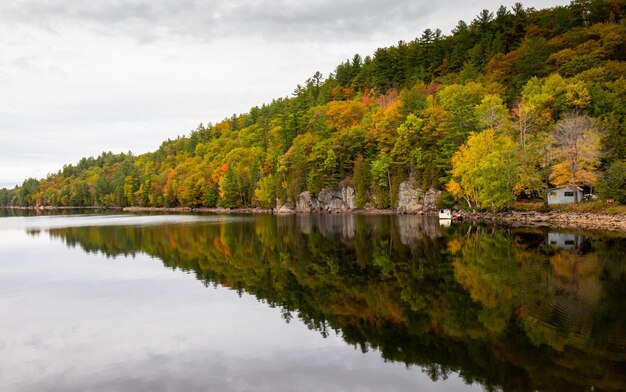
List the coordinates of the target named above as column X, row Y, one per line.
column 564, row 195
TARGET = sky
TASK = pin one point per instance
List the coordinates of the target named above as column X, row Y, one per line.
column 81, row 77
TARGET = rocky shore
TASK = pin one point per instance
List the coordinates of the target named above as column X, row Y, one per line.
column 554, row 219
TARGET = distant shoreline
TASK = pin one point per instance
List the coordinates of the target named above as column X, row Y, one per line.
column 59, row 208
column 552, row 219
column 216, row 210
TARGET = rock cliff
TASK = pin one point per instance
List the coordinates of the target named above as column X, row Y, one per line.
column 328, row 200
column 411, row 200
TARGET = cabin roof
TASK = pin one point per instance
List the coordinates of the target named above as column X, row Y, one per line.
column 564, row 187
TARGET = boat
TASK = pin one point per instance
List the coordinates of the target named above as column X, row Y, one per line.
column 445, row 213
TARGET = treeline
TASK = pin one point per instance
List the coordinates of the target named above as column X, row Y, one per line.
column 505, row 107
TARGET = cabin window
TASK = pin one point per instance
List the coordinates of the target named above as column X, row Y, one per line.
column 569, row 193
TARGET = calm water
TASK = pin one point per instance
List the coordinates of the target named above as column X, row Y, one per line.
column 306, row 303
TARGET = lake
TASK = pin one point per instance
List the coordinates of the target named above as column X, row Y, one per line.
column 120, row 302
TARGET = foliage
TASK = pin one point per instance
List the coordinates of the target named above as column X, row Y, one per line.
column 484, row 170
column 402, row 112
column 613, row 184
column 576, row 151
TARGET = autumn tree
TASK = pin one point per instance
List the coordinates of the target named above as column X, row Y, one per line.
column 484, row 170
column 576, row 151
column 265, row 192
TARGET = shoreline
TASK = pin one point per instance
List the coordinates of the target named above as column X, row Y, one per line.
column 59, row 208
column 218, row 210
column 552, row 219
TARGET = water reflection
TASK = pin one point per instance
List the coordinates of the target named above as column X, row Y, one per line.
column 513, row 309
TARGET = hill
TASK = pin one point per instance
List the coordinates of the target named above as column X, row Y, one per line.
column 503, row 108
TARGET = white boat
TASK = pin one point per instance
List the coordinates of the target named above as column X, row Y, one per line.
column 445, row 213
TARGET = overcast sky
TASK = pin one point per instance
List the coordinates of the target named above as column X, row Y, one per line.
column 81, row 77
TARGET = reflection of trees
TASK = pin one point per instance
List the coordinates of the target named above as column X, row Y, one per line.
column 478, row 302
column 555, row 294
column 484, row 265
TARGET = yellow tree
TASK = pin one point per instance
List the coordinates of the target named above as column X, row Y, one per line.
column 484, row 170
column 576, row 152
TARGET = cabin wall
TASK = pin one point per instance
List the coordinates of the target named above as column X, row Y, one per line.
column 563, row 196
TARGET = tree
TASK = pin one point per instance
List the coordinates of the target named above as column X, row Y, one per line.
column 229, row 191
column 526, row 119
column 330, row 167
column 534, row 54
column 484, row 170
column 380, row 170
column 491, row 112
column 576, row 151
column 459, row 101
column 402, row 152
column 381, row 174
column 613, row 184
column 5, row 197
column 266, row 192
column 361, row 181
column 26, row 194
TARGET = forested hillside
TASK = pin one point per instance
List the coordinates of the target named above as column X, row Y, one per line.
column 506, row 106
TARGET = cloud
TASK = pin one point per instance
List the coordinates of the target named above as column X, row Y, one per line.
column 150, row 20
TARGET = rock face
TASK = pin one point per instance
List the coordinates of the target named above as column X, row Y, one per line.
column 429, row 200
column 348, row 195
column 412, row 200
column 328, row 200
column 306, row 203
column 409, row 198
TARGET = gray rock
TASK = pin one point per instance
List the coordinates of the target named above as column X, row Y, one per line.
column 429, row 200
column 332, row 201
column 326, row 196
column 306, row 203
column 349, row 197
column 409, row 198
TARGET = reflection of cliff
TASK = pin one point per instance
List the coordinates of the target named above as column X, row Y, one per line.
column 409, row 227
column 467, row 301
